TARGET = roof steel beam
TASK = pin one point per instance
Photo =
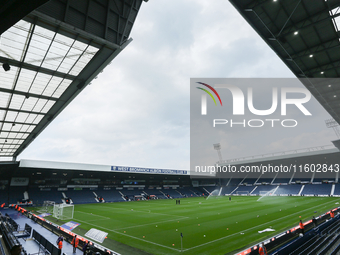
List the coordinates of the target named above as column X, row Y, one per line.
column 27, row 94
column 18, row 110
column 13, row 62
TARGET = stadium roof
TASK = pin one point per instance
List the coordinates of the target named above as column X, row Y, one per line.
column 305, row 35
column 40, row 164
column 321, row 164
column 292, row 154
column 50, row 55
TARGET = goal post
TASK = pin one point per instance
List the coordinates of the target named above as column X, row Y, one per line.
column 63, row 211
column 242, row 193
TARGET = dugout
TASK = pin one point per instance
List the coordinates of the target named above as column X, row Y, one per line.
column 68, row 235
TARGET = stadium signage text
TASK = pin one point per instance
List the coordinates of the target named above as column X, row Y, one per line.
column 147, row 170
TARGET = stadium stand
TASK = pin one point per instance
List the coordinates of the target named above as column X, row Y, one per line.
column 208, row 189
column 81, row 196
column 301, row 180
column 117, row 192
column 130, row 193
column 264, row 180
column 152, row 192
column 189, row 192
column 317, row 189
column 243, row 189
column 4, row 194
column 228, row 190
column 16, row 194
column 288, row 189
column 233, row 182
column 248, row 181
column 7, row 229
column 38, row 196
column 224, row 181
column 262, row 188
column 321, row 240
column 172, row 193
column 337, row 189
column 281, row 180
column 111, row 195
column 159, row 193
column 317, row 181
column 319, row 177
column 2, row 248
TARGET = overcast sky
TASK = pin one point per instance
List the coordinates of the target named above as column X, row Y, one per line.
column 136, row 113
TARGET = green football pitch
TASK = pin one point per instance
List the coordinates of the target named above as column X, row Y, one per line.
column 209, row 226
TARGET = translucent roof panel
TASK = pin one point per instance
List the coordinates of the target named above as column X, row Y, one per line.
column 52, row 86
column 40, row 83
column 84, row 59
column 43, row 65
column 10, row 116
column 12, row 45
column 7, row 78
column 26, row 77
column 2, row 114
column 40, row 105
column 61, row 88
column 16, row 102
column 4, row 99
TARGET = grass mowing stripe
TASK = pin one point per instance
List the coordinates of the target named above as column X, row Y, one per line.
column 105, row 218
column 129, row 236
column 254, row 227
column 145, row 212
column 217, row 218
column 296, row 213
column 147, row 224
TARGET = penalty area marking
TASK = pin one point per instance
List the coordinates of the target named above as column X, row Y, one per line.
column 129, row 210
column 159, row 222
column 96, row 215
column 130, row 236
column 200, row 244
column 242, row 231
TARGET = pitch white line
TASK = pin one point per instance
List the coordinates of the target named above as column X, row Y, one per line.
column 96, row 215
column 147, row 224
column 129, row 210
column 178, row 250
column 254, row 227
column 131, row 236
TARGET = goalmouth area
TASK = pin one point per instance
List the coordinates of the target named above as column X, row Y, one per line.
column 208, row 226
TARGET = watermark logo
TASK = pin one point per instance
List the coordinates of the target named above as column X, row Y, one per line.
column 204, row 97
column 240, row 101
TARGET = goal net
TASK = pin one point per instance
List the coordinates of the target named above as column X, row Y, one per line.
column 63, row 211
column 47, row 207
column 242, row 193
